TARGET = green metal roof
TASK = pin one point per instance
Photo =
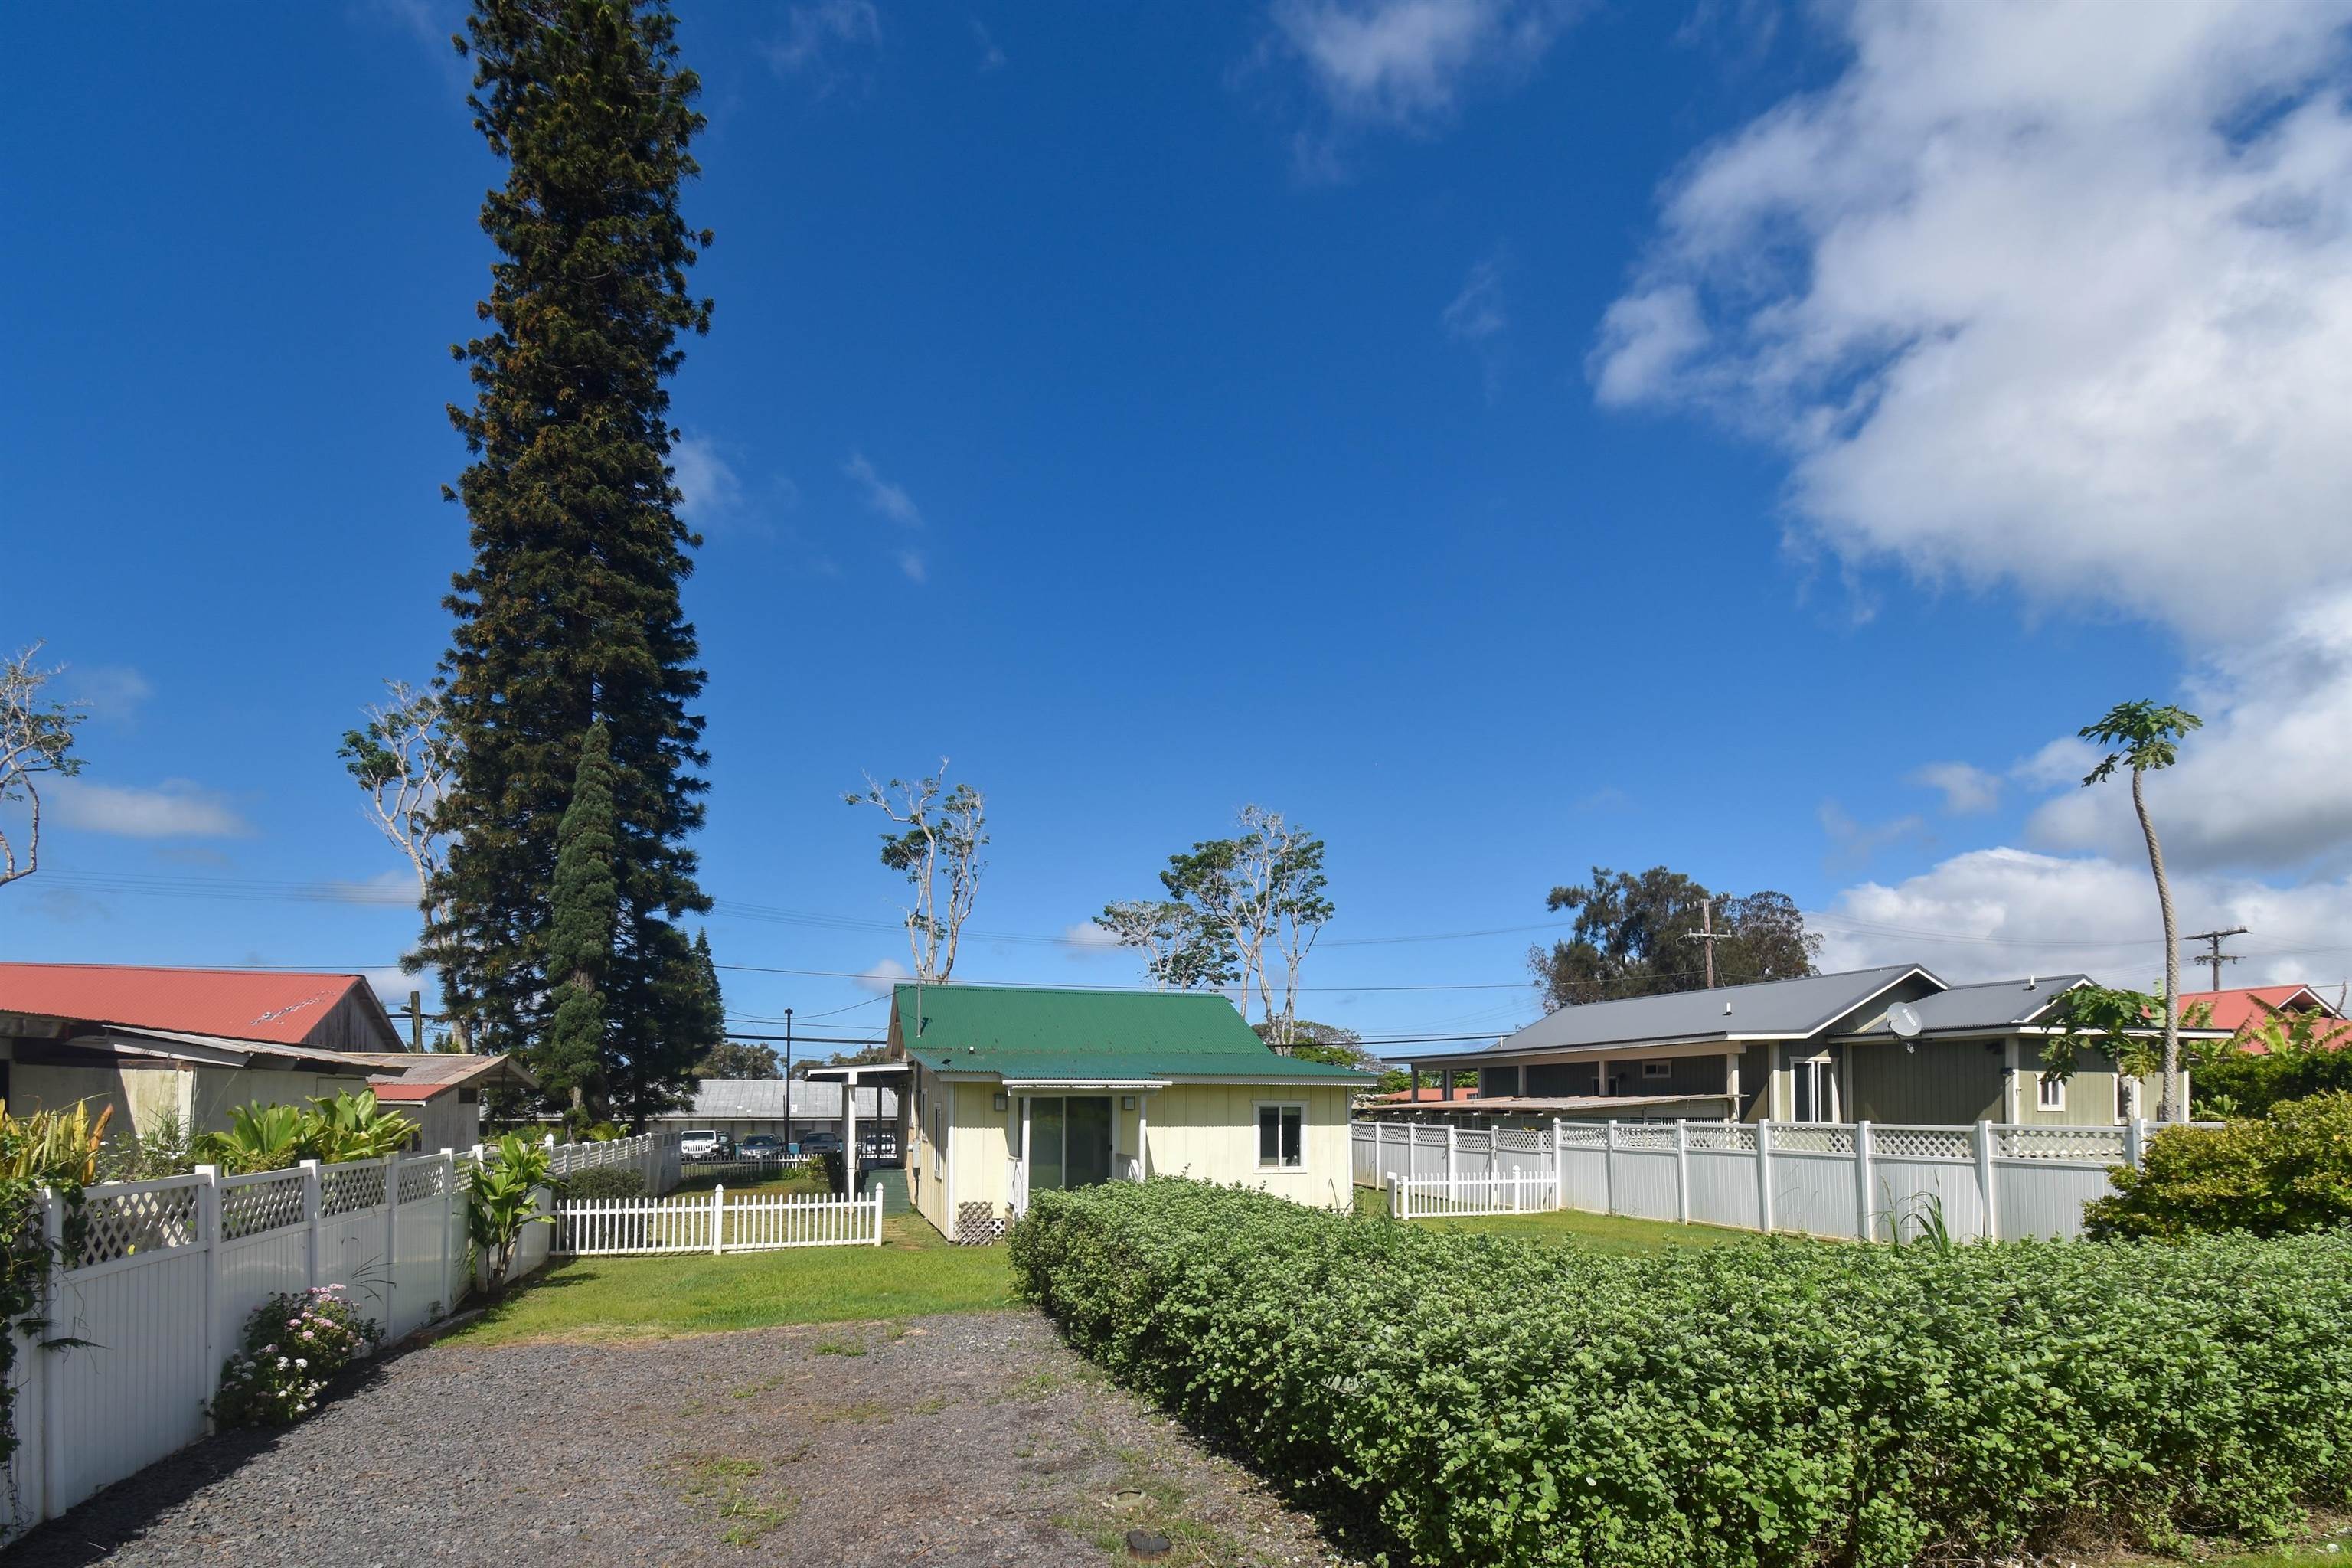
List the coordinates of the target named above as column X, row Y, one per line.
column 1093, row 1035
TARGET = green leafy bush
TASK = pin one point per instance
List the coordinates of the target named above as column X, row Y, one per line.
column 2304, row 1056
column 293, row 1344
column 604, row 1182
column 2291, row 1172
column 501, row 1198
column 1468, row 1400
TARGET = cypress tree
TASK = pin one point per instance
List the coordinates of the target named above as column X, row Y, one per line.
column 585, row 911
column 570, row 611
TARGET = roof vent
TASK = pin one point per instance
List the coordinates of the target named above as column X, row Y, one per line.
column 1727, row 1009
column 2032, row 983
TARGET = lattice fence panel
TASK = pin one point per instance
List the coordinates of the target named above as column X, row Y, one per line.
column 2101, row 1145
column 345, row 1188
column 1804, row 1137
column 421, row 1179
column 1577, row 1135
column 1921, row 1143
column 1720, row 1139
column 1638, row 1135
column 1429, row 1137
column 122, row 1223
column 979, row 1223
column 1523, row 1140
column 261, row 1205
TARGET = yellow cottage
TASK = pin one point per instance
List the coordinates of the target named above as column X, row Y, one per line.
column 1009, row 1092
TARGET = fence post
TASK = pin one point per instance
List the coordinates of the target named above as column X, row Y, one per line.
column 1453, row 1155
column 208, row 1234
column 1865, row 1223
column 314, row 1218
column 390, row 1244
column 2135, row 1142
column 53, row 1385
column 1559, row 1165
column 1608, row 1170
column 1984, row 1181
column 878, row 1213
column 1396, row 1196
column 1764, row 1173
column 449, row 1213
column 719, row 1217
column 1682, row 1170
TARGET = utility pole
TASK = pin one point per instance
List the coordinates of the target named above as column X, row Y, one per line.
column 1707, row 934
column 416, row 1020
column 2213, row 954
column 789, row 1140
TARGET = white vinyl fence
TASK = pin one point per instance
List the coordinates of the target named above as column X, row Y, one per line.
column 1857, row 1181
column 748, row 1222
column 1431, row 1198
column 156, row 1296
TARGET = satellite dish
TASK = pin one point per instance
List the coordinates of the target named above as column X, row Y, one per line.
column 1904, row 1019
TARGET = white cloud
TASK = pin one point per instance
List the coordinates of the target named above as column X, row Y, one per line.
column 912, row 563
column 175, row 809
column 2266, row 783
column 1966, row 788
column 107, row 691
column 1995, row 913
column 1854, row 843
column 880, row 495
column 813, row 32
column 1087, row 936
column 1407, row 62
column 708, row 485
column 879, row 978
column 990, row 57
column 2052, row 297
column 1476, row 313
column 391, row 886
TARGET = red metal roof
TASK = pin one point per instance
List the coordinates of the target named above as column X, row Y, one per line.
column 239, row 1003
column 2246, row 1008
column 413, row 1093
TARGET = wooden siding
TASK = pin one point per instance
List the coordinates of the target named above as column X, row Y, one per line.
column 1944, row 1083
column 1210, row 1131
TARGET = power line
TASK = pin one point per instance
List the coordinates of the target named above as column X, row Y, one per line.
column 2214, row 957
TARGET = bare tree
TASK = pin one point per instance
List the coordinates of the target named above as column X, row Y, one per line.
column 941, row 832
column 1263, row 885
column 1183, row 952
column 36, row 738
column 405, row 760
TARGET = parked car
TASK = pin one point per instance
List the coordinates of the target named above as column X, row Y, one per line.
column 761, row 1146
column 820, row 1143
column 702, row 1143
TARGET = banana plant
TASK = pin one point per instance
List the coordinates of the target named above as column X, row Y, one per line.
column 500, row 1200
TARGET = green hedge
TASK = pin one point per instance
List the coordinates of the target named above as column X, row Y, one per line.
column 2290, row 1172
column 1462, row 1399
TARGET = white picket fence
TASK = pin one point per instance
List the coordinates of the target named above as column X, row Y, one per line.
column 1856, row 1180
column 1431, row 1198
column 748, row 1222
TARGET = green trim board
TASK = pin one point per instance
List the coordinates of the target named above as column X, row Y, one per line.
column 1046, row 1035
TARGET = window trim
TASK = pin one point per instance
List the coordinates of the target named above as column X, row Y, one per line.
column 2049, row 1092
column 1258, row 1134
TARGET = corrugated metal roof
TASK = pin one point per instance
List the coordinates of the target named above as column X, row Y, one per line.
column 1991, row 1005
column 762, row 1099
column 1039, row 1034
column 235, row 1004
column 2236, row 1008
column 1787, row 1008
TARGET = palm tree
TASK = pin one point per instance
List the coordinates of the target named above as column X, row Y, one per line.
column 2146, row 737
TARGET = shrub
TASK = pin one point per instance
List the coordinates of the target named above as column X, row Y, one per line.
column 604, row 1182
column 2291, row 1172
column 500, row 1198
column 293, row 1344
column 1466, row 1399
column 2244, row 1084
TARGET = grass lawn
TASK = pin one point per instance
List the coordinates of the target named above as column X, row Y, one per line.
column 913, row 1271
column 1599, row 1232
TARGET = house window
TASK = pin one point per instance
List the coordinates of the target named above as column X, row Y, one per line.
column 1281, row 1137
column 1657, row 1069
column 938, row 1140
column 2049, row 1092
column 1813, row 1092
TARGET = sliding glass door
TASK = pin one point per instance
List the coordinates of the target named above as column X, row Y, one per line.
column 1069, row 1142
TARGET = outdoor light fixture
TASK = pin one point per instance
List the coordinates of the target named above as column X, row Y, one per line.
column 1001, row 1101
column 1127, row 1102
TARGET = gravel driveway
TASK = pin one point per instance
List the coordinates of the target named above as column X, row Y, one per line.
column 967, row 1439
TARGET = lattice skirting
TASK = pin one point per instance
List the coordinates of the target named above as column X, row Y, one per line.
column 978, row 1225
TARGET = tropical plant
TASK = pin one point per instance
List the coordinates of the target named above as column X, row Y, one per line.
column 336, row 1129
column 1487, row 1401
column 164, row 1149
column 57, row 1151
column 354, row 1127
column 2303, row 1055
column 53, row 1148
column 2146, row 738
column 501, row 1200
column 293, row 1344
column 2282, row 1174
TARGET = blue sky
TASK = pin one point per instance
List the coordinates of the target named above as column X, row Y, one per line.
column 1506, row 437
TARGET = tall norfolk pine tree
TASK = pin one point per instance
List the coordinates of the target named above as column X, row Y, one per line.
column 585, row 909
column 570, row 611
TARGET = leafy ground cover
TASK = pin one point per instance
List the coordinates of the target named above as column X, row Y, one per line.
column 1472, row 1400
column 914, row 1271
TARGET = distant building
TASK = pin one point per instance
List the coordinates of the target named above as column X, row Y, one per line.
column 741, row 1106
column 2243, row 1012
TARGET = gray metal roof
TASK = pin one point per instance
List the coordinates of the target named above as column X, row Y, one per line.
column 762, row 1099
column 1993, row 1005
column 1769, row 1009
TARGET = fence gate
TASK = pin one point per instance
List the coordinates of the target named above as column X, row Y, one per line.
column 752, row 1222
